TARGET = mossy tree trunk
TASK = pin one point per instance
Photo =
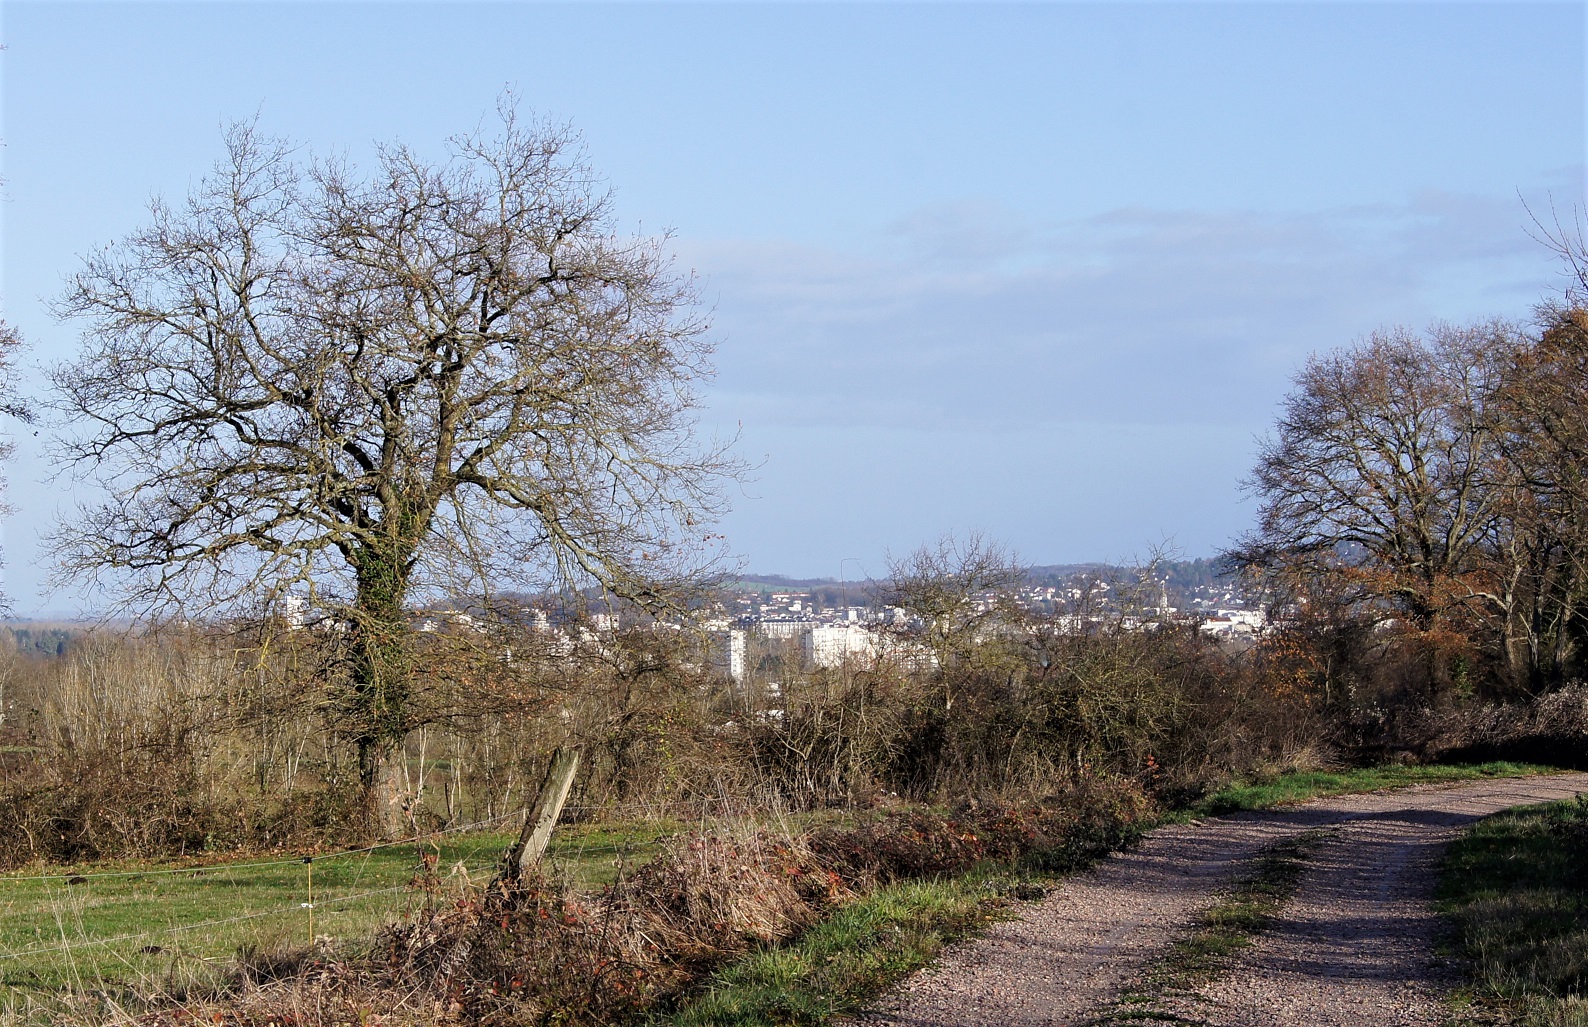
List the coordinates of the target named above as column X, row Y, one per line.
column 379, row 706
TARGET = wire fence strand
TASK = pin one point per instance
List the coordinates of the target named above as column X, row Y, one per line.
column 206, row 868
column 574, row 808
column 162, row 931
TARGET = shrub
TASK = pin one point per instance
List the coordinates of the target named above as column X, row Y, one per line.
column 532, row 951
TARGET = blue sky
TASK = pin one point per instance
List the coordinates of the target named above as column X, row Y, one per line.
column 1041, row 270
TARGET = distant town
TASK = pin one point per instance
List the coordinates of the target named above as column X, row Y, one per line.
column 824, row 622
column 832, row 621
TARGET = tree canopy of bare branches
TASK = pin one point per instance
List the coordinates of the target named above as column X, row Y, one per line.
column 1544, row 406
column 955, row 588
column 386, row 388
column 11, row 402
column 1438, row 482
column 1382, row 460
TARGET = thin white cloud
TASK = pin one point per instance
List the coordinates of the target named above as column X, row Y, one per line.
column 968, row 315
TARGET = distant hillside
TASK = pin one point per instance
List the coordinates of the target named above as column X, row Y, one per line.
column 1180, row 573
column 778, row 583
column 1183, row 579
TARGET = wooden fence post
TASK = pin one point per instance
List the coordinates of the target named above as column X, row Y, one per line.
column 532, row 840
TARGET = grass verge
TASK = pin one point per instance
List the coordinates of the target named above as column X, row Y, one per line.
column 838, row 966
column 1296, row 786
column 1203, row 953
column 1516, row 887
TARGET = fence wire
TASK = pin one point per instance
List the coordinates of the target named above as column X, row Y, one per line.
column 466, row 865
column 77, row 878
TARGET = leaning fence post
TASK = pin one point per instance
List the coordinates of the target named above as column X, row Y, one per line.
column 532, row 840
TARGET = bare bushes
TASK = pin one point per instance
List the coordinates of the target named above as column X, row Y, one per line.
column 1045, row 702
column 1371, row 692
column 1551, row 729
column 136, row 745
column 533, row 951
column 154, row 744
column 158, row 743
column 1069, row 828
column 1251, row 711
column 120, row 753
column 650, row 717
column 1163, row 705
column 833, row 738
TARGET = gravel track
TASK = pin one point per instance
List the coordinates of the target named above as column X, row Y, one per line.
column 1353, row 947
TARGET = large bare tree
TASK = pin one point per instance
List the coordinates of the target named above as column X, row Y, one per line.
column 1544, row 546
column 387, row 388
column 1382, row 480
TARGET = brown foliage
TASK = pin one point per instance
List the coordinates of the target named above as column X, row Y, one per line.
column 1431, row 489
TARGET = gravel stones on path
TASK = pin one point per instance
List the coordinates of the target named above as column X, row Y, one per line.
column 1353, row 947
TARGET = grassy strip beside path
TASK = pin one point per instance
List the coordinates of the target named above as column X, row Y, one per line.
column 842, row 964
column 1516, row 886
column 1299, row 786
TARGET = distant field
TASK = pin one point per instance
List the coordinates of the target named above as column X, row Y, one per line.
column 117, row 923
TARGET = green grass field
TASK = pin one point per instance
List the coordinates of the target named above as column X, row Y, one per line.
column 111, row 924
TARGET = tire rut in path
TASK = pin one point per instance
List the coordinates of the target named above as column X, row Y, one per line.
column 1353, row 947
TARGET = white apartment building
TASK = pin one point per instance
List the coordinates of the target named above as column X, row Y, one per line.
column 730, row 656
column 784, row 627
column 829, row 645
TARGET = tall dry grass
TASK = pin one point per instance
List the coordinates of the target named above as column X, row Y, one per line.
column 168, row 742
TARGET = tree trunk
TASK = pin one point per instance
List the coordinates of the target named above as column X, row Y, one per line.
column 388, row 807
column 382, row 676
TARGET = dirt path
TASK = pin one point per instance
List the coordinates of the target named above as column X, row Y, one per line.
column 1353, row 947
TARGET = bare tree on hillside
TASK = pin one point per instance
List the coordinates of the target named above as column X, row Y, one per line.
column 385, row 389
